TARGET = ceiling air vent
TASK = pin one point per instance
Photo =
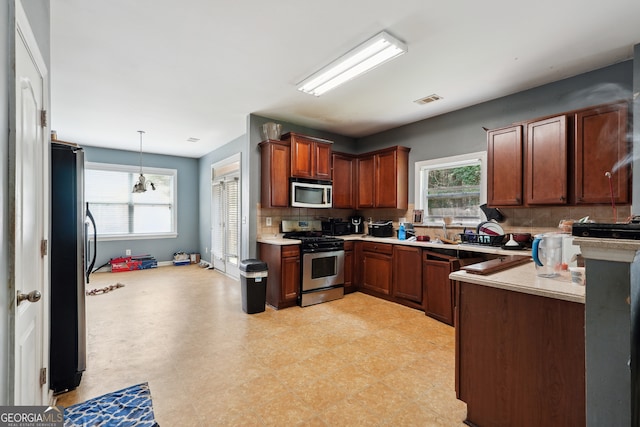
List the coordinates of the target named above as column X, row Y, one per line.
column 428, row 99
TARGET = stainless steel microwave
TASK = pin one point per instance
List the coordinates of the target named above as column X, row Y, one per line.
column 310, row 193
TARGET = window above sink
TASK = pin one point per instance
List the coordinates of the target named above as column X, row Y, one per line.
column 452, row 189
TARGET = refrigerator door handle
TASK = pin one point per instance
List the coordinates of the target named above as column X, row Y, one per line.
column 95, row 243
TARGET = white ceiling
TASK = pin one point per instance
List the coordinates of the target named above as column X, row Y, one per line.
column 197, row 68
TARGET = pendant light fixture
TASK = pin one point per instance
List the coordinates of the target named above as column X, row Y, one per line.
column 141, row 185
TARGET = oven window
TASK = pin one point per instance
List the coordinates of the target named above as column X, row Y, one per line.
column 324, row 267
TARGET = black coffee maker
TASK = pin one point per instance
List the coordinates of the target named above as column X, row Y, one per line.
column 357, row 224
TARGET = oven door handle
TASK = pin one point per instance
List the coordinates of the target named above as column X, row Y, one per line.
column 324, row 252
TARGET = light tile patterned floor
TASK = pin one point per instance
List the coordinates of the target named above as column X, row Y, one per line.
column 358, row 361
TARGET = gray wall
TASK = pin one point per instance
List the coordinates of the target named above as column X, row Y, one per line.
column 237, row 146
column 462, row 131
column 188, row 206
column 37, row 12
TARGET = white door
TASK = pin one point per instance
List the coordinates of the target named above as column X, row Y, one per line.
column 29, row 280
column 225, row 216
column 225, row 235
column 217, row 226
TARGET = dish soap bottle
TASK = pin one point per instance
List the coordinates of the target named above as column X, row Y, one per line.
column 402, row 235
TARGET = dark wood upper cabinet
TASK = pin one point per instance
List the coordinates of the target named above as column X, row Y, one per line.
column 383, row 178
column 366, row 184
column 546, row 162
column 344, row 167
column 310, row 156
column 504, row 166
column 275, row 158
column 386, row 179
column 601, row 145
column 561, row 160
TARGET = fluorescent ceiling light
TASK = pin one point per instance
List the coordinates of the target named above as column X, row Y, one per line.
column 375, row 51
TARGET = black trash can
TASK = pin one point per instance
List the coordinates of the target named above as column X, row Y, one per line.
column 253, row 281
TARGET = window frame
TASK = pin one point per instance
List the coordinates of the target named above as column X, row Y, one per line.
column 135, row 170
column 447, row 162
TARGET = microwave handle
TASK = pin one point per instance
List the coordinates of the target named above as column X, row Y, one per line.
column 324, row 196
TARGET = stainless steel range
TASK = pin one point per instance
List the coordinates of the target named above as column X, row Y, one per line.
column 322, row 268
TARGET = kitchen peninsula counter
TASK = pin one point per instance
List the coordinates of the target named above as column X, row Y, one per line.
column 523, row 279
column 520, row 348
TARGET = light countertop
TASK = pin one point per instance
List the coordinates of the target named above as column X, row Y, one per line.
column 278, row 240
column 523, row 279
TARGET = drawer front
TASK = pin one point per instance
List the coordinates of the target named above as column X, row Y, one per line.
column 382, row 248
column 290, row 250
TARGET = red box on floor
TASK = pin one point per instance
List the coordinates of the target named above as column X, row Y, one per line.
column 125, row 266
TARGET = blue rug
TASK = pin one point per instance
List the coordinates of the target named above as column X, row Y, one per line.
column 123, row 408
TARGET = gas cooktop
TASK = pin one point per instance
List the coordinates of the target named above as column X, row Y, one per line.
column 607, row 231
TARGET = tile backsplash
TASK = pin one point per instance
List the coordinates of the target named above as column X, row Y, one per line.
column 523, row 220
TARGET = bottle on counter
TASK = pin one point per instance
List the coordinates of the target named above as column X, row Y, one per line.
column 402, row 234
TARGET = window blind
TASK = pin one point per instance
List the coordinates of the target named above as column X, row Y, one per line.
column 119, row 212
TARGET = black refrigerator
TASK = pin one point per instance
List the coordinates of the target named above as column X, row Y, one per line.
column 70, row 267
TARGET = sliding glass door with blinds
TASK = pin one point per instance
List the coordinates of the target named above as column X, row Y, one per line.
column 225, row 221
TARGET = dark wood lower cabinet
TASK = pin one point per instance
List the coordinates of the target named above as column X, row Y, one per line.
column 407, row 275
column 438, row 288
column 283, row 276
column 349, row 268
column 520, row 359
column 376, row 267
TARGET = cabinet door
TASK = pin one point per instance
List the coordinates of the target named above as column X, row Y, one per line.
column 407, row 274
column 600, row 143
column 343, row 178
column 290, row 278
column 366, row 184
column 376, row 275
column 358, row 264
column 302, row 157
column 275, row 158
column 546, row 162
column 348, row 270
column 385, row 190
column 504, row 166
column 438, row 288
column 321, row 167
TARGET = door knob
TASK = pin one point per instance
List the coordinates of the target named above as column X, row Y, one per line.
column 33, row 296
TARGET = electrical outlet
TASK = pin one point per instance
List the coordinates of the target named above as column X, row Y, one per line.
column 127, row 252
column 206, row 250
column 268, row 221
